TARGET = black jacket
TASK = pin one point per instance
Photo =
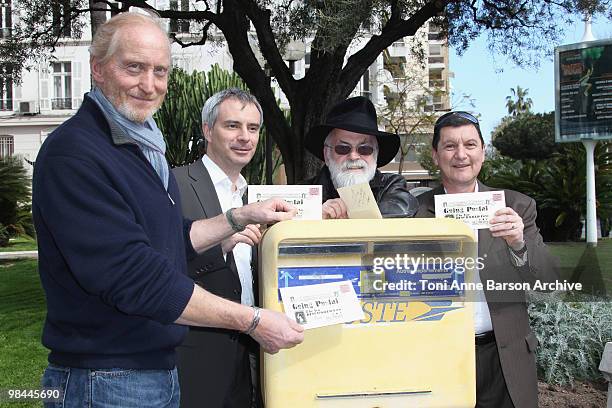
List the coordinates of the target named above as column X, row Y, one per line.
column 389, row 189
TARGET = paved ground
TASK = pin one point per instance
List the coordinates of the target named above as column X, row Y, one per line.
column 18, row 255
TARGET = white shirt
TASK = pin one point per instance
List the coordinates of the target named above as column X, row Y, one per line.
column 230, row 196
column 482, row 317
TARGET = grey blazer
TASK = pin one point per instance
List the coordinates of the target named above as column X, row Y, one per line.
column 516, row 343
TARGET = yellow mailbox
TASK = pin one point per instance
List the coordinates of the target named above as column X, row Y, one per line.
column 415, row 345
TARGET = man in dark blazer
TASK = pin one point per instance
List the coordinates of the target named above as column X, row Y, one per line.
column 213, row 364
column 512, row 250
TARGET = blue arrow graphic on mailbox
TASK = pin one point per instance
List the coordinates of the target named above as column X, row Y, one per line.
column 285, row 275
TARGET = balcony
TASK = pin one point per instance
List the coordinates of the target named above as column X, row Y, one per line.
column 61, row 103
column 437, row 83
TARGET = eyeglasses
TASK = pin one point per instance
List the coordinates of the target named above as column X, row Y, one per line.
column 344, row 149
column 462, row 114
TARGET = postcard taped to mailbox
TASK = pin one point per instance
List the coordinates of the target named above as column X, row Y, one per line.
column 321, row 305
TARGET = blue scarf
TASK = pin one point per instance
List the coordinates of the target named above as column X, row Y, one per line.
column 147, row 135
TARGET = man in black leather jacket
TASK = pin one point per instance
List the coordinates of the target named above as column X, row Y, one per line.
column 353, row 148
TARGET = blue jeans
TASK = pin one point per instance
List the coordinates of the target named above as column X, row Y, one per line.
column 110, row 388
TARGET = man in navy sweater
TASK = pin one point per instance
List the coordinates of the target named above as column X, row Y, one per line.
column 113, row 243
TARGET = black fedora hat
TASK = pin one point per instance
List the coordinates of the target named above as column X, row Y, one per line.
column 355, row 115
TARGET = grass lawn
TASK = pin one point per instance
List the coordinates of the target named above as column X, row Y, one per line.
column 20, row 244
column 22, row 311
column 591, row 266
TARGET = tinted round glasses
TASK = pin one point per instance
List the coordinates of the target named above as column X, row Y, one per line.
column 344, row 149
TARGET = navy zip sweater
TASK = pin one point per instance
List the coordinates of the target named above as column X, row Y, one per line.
column 112, row 247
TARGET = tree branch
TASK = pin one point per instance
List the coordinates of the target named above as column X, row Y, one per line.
column 390, row 33
column 269, row 48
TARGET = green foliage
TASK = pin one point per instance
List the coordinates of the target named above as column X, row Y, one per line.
column 558, row 186
column 528, row 136
column 571, row 335
column 20, row 243
column 180, row 118
column 426, row 161
column 518, row 103
column 4, row 236
column 496, row 165
column 15, row 197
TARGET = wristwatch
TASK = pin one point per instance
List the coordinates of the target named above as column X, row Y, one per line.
column 229, row 214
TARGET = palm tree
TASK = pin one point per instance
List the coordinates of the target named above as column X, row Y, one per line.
column 15, row 197
column 518, row 103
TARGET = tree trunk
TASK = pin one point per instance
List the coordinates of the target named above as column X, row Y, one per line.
column 97, row 17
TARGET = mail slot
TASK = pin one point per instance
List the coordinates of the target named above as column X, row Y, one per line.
column 415, row 345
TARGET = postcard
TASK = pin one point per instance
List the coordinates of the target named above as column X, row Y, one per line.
column 360, row 202
column 475, row 209
column 307, row 198
column 323, row 304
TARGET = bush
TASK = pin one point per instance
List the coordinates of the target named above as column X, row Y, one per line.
column 558, row 185
column 15, row 198
column 528, row 136
column 4, row 236
column 572, row 335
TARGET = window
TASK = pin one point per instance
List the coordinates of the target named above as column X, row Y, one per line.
column 292, row 67
column 6, row 89
column 179, row 26
column 182, row 62
column 61, row 18
column 6, row 19
column 435, row 49
column 306, row 62
column 365, row 85
column 62, row 85
column 6, row 146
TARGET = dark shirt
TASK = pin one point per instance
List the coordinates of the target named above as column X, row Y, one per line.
column 112, row 247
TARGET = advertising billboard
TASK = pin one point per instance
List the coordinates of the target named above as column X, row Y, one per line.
column 583, row 91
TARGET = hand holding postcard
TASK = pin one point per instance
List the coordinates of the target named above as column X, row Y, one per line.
column 360, row 202
column 323, row 304
column 307, row 198
column 475, row 209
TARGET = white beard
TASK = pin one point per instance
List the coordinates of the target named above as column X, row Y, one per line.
column 341, row 176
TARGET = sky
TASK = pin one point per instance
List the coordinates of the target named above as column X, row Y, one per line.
column 477, row 73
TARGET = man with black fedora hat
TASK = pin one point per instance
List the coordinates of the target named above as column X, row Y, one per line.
column 353, row 148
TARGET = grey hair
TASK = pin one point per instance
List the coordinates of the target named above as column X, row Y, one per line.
column 107, row 39
column 210, row 111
